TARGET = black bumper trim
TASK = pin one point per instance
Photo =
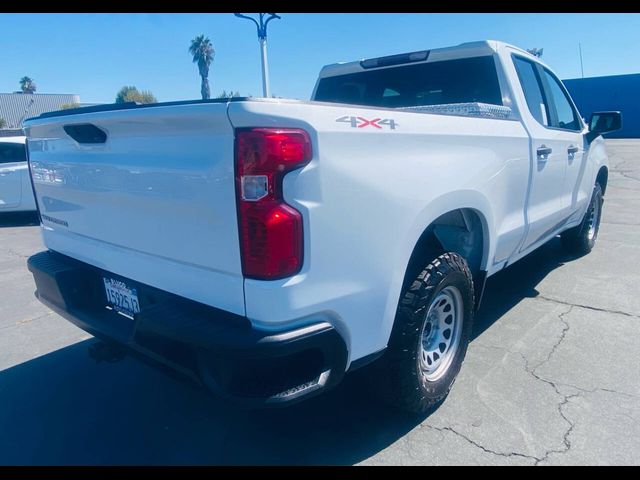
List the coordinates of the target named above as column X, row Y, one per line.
column 220, row 349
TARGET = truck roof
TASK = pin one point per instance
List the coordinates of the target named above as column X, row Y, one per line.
column 463, row 50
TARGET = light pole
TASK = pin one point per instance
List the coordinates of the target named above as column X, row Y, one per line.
column 262, row 38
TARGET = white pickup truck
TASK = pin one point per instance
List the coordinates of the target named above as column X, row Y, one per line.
column 16, row 194
column 265, row 247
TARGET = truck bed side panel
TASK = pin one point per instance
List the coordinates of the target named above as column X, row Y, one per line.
column 367, row 196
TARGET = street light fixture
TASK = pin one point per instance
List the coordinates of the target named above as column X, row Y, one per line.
column 261, row 25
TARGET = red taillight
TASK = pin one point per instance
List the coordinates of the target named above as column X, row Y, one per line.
column 271, row 238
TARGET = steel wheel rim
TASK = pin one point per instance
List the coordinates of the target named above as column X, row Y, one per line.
column 594, row 220
column 440, row 334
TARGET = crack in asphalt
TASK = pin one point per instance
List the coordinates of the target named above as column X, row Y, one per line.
column 596, row 390
column 15, row 254
column 24, row 322
column 479, row 445
column 565, row 398
column 626, row 175
column 608, row 390
column 561, row 384
column 588, row 307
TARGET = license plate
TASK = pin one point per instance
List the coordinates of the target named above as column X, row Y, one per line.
column 121, row 298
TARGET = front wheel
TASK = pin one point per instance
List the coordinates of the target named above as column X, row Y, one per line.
column 581, row 239
column 430, row 335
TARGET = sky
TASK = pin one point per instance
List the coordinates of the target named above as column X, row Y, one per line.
column 94, row 55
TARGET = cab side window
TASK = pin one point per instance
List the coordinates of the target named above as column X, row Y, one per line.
column 12, row 152
column 528, row 77
column 565, row 116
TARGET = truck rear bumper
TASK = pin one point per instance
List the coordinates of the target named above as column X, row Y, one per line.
column 219, row 349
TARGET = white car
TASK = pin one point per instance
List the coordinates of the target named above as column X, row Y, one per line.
column 265, row 247
column 16, row 193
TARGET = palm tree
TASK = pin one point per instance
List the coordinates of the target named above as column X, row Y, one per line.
column 27, row 85
column 202, row 50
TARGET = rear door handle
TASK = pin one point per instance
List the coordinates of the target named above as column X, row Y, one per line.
column 572, row 149
column 544, row 151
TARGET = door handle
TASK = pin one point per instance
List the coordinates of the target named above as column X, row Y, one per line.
column 544, row 151
column 572, row 150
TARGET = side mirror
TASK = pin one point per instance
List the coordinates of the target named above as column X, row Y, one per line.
column 604, row 122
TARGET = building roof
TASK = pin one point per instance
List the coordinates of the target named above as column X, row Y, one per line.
column 15, row 107
column 10, row 132
column 607, row 78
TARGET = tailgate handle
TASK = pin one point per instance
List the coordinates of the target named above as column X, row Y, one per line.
column 86, row 133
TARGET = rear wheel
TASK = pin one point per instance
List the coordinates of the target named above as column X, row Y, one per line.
column 581, row 239
column 431, row 332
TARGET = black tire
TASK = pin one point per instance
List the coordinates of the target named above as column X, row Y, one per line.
column 581, row 239
column 400, row 377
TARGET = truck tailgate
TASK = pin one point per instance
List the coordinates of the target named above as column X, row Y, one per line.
column 155, row 202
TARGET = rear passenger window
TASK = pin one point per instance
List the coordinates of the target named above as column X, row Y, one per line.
column 12, row 152
column 532, row 91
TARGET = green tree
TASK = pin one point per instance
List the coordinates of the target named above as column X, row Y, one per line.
column 202, row 51
column 131, row 94
column 3, row 122
column 27, row 85
column 67, row 106
column 229, row 94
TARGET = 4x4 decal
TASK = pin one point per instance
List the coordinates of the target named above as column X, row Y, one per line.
column 360, row 122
